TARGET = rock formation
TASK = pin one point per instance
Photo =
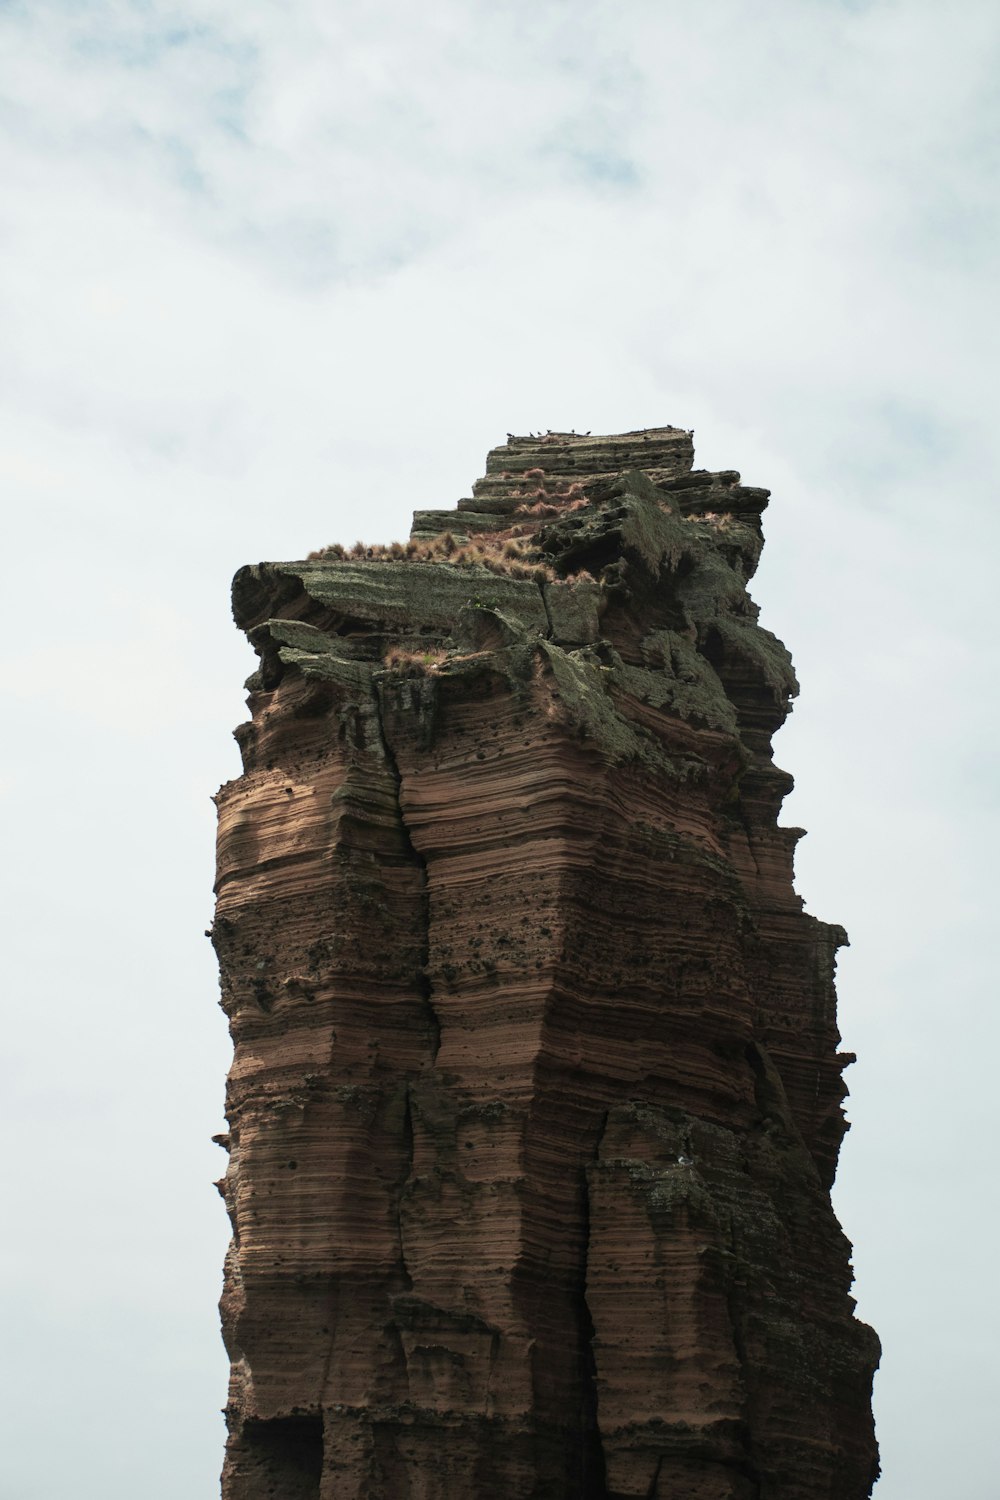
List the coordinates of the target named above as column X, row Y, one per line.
column 536, row 1099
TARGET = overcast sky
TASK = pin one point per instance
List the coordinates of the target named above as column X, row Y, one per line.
column 272, row 276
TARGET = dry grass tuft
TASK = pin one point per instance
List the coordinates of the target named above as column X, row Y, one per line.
column 335, row 551
column 717, row 521
column 510, row 550
column 542, row 508
column 413, row 663
column 498, row 550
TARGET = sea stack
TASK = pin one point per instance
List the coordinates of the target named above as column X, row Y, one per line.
column 536, row 1100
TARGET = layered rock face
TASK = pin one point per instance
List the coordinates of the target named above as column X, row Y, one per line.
column 536, row 1098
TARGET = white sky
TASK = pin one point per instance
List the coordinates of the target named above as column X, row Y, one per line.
column 273, row 275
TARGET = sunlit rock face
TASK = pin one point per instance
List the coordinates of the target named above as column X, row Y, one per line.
column 536, row 1099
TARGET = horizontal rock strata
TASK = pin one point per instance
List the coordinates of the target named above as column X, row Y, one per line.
column 536, row 1099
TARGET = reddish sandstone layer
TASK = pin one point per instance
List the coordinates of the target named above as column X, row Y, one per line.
column 536, row 1098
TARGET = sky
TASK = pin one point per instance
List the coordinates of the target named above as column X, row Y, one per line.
column 275, row 275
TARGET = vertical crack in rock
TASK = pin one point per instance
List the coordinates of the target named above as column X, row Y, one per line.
column 404, row 1179
column 593, row 1477
column 422, row 976
column 545, row 605
column 536, row 1097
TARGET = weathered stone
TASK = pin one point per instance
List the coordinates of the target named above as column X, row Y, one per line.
column 536, row 1100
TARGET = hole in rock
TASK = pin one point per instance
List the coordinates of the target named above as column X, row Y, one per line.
column 288, row 1452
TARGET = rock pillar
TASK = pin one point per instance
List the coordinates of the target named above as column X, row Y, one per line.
column 536, row 1098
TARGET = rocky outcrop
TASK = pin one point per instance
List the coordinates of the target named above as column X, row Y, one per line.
column 536, row 1098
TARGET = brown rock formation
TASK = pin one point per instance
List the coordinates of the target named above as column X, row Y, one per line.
column 536, row 1098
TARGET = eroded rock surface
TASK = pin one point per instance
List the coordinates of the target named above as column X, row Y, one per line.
column 536, row 1098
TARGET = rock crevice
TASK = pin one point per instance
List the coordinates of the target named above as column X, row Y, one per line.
column 536, row 1099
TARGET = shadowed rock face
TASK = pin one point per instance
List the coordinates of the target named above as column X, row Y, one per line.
column 536, row 1098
